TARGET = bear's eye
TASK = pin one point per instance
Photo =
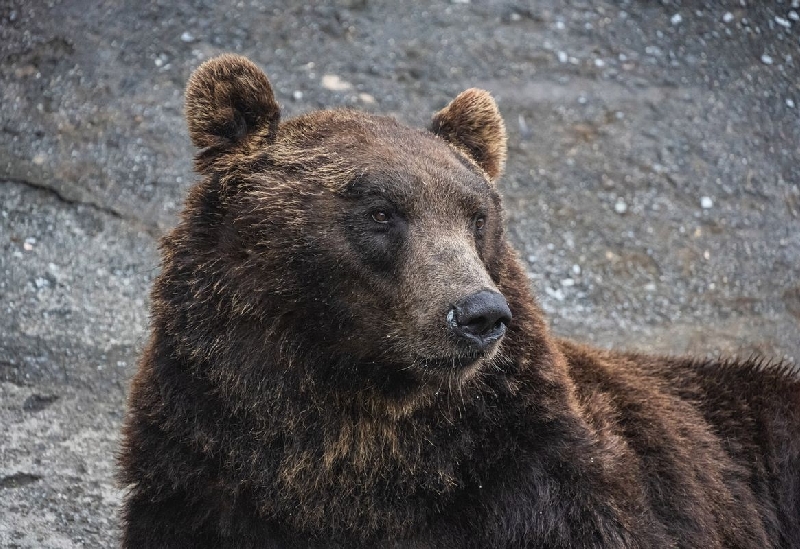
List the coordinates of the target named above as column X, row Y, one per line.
column 480, row 222
column 380, row 216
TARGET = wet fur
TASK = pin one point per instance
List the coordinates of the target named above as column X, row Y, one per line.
column 289, row 398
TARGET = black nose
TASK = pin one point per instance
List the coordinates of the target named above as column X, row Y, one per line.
column 480, row 319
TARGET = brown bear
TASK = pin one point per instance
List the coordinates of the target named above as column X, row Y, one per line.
column 345, row 353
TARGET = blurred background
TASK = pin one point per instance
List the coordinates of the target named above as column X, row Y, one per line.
column 652, row 188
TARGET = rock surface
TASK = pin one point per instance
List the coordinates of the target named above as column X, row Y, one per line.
column 653, row 184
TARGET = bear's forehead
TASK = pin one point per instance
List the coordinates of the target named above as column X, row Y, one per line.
column 368, row 150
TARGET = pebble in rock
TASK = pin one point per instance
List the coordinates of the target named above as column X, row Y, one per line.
column 335, row 83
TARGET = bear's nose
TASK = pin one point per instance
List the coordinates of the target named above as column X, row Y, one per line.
column 480, row 319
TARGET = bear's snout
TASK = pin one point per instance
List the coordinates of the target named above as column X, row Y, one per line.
column 480, row 319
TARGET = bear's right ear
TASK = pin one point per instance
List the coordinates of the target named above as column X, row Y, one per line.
column 229, row 102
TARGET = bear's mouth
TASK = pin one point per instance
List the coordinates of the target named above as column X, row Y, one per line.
column 456, row 363
column 448, row 364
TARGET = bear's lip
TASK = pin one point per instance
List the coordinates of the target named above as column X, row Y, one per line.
column 456, row 362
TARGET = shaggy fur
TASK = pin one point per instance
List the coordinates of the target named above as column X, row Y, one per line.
column 301, row 387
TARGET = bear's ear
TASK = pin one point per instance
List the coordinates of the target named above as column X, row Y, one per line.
column 229, row 101
column 472, row 122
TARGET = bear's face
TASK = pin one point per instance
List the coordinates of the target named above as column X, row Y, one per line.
column 380, row 244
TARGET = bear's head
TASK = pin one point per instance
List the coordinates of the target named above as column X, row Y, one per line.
column 371, row 251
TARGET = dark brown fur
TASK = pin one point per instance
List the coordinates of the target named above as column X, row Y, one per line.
column 301, row 388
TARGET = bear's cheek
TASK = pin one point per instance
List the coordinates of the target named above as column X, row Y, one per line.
column 380, row 252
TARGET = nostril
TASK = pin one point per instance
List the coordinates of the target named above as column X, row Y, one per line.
column 482, row 324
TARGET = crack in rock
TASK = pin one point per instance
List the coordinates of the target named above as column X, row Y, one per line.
column 18, row 480
column 37, row 403
column 61, row 197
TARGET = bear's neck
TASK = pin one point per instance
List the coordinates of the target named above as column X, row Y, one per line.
column 360, row 448
column 376, row 468
column 352, row 448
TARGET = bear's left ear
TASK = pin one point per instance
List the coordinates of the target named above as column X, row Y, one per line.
column 229, row 102
column 472, row 122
